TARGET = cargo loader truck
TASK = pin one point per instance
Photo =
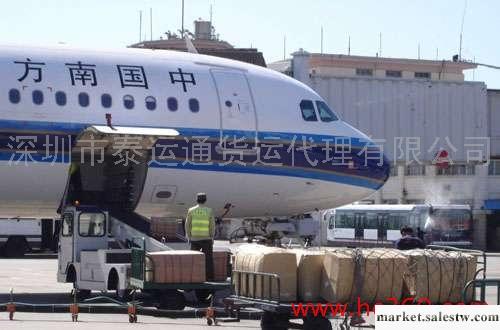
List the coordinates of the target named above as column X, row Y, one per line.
column 100, row 230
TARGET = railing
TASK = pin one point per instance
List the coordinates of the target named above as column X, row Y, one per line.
column 483, row 283
column 241, row 278
column 138, row 256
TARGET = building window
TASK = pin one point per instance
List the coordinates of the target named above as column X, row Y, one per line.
column 150, row 103
column 494, row 167
column 423, row 75
column 61, row 98
column 128, row 102
column 457, row 169
column 194, row 105
column 83, row 99
column 307, row 108
column 393, row 73
column 394, row 170
column 37, row 97
column 106, row 100
column 325, row 114
column 14, row 96
column 172, row 104
column 364, row 72
column 415, row 170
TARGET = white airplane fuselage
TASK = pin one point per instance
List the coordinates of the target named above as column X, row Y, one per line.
column 49, row 94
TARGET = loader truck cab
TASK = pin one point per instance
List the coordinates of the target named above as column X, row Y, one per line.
column 84, row 255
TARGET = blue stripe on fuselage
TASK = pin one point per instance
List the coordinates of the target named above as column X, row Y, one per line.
column 367, row 175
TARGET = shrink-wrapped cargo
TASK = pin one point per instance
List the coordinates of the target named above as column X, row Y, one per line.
column 439, row 276
column 175, row 267
column 309, row 270
column 263, row 259
column 368, row 274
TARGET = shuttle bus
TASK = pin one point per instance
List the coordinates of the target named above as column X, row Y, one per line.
column 379, row 225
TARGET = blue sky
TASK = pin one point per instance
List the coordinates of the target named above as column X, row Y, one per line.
column 435, row 25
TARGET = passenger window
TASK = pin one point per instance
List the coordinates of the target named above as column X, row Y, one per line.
column 128, row 101
column 106, row 100
column 14, row 96
column 325, row 114
column 37, row 97
column 83, row 99
column 92, row 224
column 67, row 224
column 194, row 105
column 61, row 98
column 172, row 104
column 307, row 109
column 150, row 103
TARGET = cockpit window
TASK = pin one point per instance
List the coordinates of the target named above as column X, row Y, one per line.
column 307, row 109
column 325, row 113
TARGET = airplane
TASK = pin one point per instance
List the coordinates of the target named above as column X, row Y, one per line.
column 165, row 125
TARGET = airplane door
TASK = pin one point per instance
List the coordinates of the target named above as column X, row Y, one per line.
column 236, row 105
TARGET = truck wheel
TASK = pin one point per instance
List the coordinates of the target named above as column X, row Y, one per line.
column 273, row 321
column 172, row 300
column 202, row 295
column 16, row 247
column 317, row 323
column 82, row 294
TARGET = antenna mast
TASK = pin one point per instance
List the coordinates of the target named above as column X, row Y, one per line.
column 380, row 44
column 151, row 23
column 284, row 47
column 140, row 25
column 349, row 45
column 461, row 32
column 322, row 40
column 182, row 22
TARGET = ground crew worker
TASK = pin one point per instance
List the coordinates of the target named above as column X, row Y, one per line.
column 408, row 241
column 200, row 231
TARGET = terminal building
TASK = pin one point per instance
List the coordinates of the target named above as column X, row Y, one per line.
column 441, row 133
column 207, row 42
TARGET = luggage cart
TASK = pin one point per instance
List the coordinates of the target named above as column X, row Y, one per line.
column 277, row 315
column 169, row 295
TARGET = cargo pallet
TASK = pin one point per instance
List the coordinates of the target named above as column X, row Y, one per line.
column 169, row 295
column 277, row 315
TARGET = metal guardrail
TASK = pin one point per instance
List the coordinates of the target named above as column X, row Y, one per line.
column 240, row 277
column 483, row 283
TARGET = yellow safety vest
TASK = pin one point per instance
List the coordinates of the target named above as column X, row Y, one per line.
column 200, row 222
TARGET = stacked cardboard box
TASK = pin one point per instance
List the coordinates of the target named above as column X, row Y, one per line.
column 175, row 267
column 439, row 276
column 220, row 262
column 163, row 227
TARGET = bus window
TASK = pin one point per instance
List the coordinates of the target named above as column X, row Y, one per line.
column 331, row 222
column 344, row 221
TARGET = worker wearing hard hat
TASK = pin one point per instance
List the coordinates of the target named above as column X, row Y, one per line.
column 200, row 231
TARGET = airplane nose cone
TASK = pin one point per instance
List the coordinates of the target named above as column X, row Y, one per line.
column 374, row 163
